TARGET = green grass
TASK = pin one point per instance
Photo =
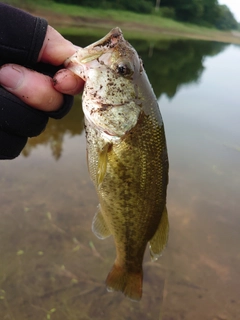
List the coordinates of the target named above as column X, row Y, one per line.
column 118, row 15
column 134, row 24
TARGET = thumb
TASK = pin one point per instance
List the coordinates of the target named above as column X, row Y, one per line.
column 33, row 88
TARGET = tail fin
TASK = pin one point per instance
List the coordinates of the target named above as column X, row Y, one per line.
column 119, row 279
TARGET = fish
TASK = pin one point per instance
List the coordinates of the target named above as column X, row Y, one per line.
column 126, row 154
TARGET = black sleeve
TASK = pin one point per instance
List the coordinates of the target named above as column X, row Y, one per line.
column 21, row 39
column 21, row 36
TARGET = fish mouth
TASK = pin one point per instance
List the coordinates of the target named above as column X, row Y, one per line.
column 110, row 40
column 95, row 50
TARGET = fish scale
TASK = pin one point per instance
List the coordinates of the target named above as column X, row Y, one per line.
column 127, row 156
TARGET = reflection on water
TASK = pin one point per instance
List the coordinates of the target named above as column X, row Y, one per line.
column 53, row 267
column 170, row 64
column 71, row 124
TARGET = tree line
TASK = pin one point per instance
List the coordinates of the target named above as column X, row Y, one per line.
column 204, row 12
column 207, row 13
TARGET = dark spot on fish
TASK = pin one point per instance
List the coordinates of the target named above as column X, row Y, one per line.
column 110, row 147
column 105, row 107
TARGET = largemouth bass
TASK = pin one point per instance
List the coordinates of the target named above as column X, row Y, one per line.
column 127, row 156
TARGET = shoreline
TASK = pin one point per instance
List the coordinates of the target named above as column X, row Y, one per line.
column 93, row 23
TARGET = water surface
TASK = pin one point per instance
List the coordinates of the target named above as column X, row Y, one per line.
column 53, row 267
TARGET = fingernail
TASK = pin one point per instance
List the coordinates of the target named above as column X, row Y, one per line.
column 65, row 81
column 11, row 77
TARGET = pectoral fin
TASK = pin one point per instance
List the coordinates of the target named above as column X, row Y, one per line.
column 102, row 163
column 160, row 238
column 99, row 226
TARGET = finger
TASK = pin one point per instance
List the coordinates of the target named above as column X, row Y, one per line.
column 33, row 88
column 56, row 49
column 67, row 82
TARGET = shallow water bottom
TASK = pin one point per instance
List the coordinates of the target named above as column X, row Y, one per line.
column 53, row 267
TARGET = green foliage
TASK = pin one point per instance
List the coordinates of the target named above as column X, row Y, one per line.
column 190, row 11
column 225, row 20
column 210, row 12
column 168, row 12
column 143, row 6
column 202, row 12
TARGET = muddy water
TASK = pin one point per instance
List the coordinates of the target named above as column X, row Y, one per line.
column 53, row 267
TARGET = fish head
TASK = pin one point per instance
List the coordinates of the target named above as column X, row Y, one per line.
column 109, row 68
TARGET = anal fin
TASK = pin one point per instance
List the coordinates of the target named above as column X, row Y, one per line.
column 160, row 238
column 99, row 226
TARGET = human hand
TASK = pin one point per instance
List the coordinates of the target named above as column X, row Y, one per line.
column 37, row 89
column 27, row 97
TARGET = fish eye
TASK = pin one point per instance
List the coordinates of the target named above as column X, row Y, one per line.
column 124, row 69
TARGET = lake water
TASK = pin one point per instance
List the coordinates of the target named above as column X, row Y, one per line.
column 53, row 267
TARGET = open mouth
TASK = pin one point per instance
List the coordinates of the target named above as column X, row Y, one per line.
column 110, row 40
column 95, row 50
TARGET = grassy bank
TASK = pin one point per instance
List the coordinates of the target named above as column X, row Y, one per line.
column 72, row 19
